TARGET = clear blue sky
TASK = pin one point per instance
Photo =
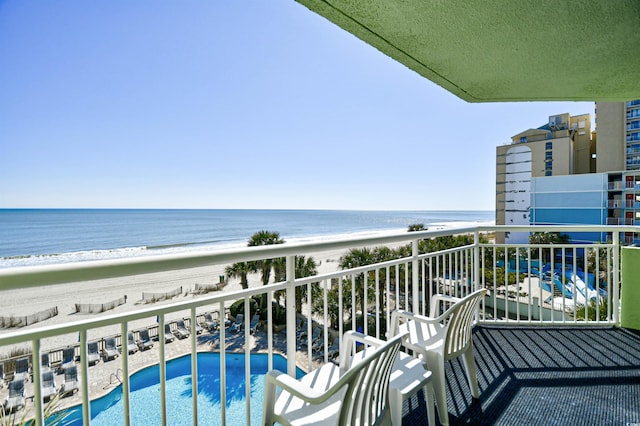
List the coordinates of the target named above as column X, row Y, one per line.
column 231, row 104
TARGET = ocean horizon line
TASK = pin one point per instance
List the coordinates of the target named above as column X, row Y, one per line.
column 246, row 209
column 50, row 236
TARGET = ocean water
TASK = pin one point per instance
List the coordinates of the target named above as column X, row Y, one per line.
column 48, row 236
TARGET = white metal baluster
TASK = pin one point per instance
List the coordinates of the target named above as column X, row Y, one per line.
column 291, row 316
column 125, row 374
column 270, row 330
column 616, row 278
column 84, row 383
column 353, row 302
column 163, row 370
column 247, row 359
column 517, row 284
column 223, row 364
column 377, row 310
column 415, row 276
column 37, row 382
column 194, row 367
column 325, row 317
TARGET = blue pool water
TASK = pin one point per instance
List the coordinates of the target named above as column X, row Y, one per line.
column 145, row 393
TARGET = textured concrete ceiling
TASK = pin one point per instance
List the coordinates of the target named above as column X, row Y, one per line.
column 505, row 50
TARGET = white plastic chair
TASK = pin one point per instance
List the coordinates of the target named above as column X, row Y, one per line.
column 438, row 338
column 408, row 376
column 331, row 395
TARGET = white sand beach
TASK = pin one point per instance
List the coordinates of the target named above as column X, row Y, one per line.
column 65, row 296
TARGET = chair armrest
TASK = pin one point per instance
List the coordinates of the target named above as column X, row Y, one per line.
column 400, row 316
column 349, row 339
column 441, row 298
column 277, row 379
column 291, row 385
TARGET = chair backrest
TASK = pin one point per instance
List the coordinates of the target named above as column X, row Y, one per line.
column 1, row 371
column 68, row 355
column 47, row 379
column 92, row 347
column 180, row 324
column 71, row 374
column 22, row 365
column 459, row 319
column 44, row 359
column 110, row 343
column 144, row 335
column 366, row 400
column 239, row 318
column 130, row 339
column 16, row 388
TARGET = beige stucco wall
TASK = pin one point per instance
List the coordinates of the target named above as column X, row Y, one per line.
column 610, row 124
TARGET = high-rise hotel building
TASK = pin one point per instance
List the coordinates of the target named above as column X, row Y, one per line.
column 562, row 173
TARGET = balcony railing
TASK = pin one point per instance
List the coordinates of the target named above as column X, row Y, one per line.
column 559, row 284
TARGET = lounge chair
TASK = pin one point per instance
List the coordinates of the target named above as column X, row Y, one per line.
column 145, row 341
column 317, row 333
column 199, row 329
column 168, row 335
column 209, row 323
column 68, row 358
column 438, row 338
column 255, row 323
column 132, row 347
column 237, row 326
column 333, row 351
column 303, row 331
column 48, row 385
column 110, row 350
column 22, row 369
column 354, row 393
column 70, row 383
column 45, row 363
column 318, row 343
column 93, row 353
column 15, row 399
column 181, row 331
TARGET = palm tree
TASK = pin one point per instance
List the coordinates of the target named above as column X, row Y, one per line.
column 264, row 238
column 304, row 268
column 239, row 270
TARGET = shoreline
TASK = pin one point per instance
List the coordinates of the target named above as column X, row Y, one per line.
column 42, row 259
column 66, row 296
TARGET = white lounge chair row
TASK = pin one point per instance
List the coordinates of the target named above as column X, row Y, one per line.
column 16, row 398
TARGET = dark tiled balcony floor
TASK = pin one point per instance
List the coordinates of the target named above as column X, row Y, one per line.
column 545, row 376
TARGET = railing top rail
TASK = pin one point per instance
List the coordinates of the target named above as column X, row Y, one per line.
column 33, row 276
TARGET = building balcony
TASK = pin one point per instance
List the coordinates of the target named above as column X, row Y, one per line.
column 542, row 353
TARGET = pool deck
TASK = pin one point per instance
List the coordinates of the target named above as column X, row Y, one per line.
column 105, row 376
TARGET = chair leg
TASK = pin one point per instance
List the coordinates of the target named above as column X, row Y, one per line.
column 395, row 406
column 435, row 363
column 472, row 375
column 428, row 399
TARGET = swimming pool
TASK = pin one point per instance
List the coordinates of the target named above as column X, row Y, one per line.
column 145, row 392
